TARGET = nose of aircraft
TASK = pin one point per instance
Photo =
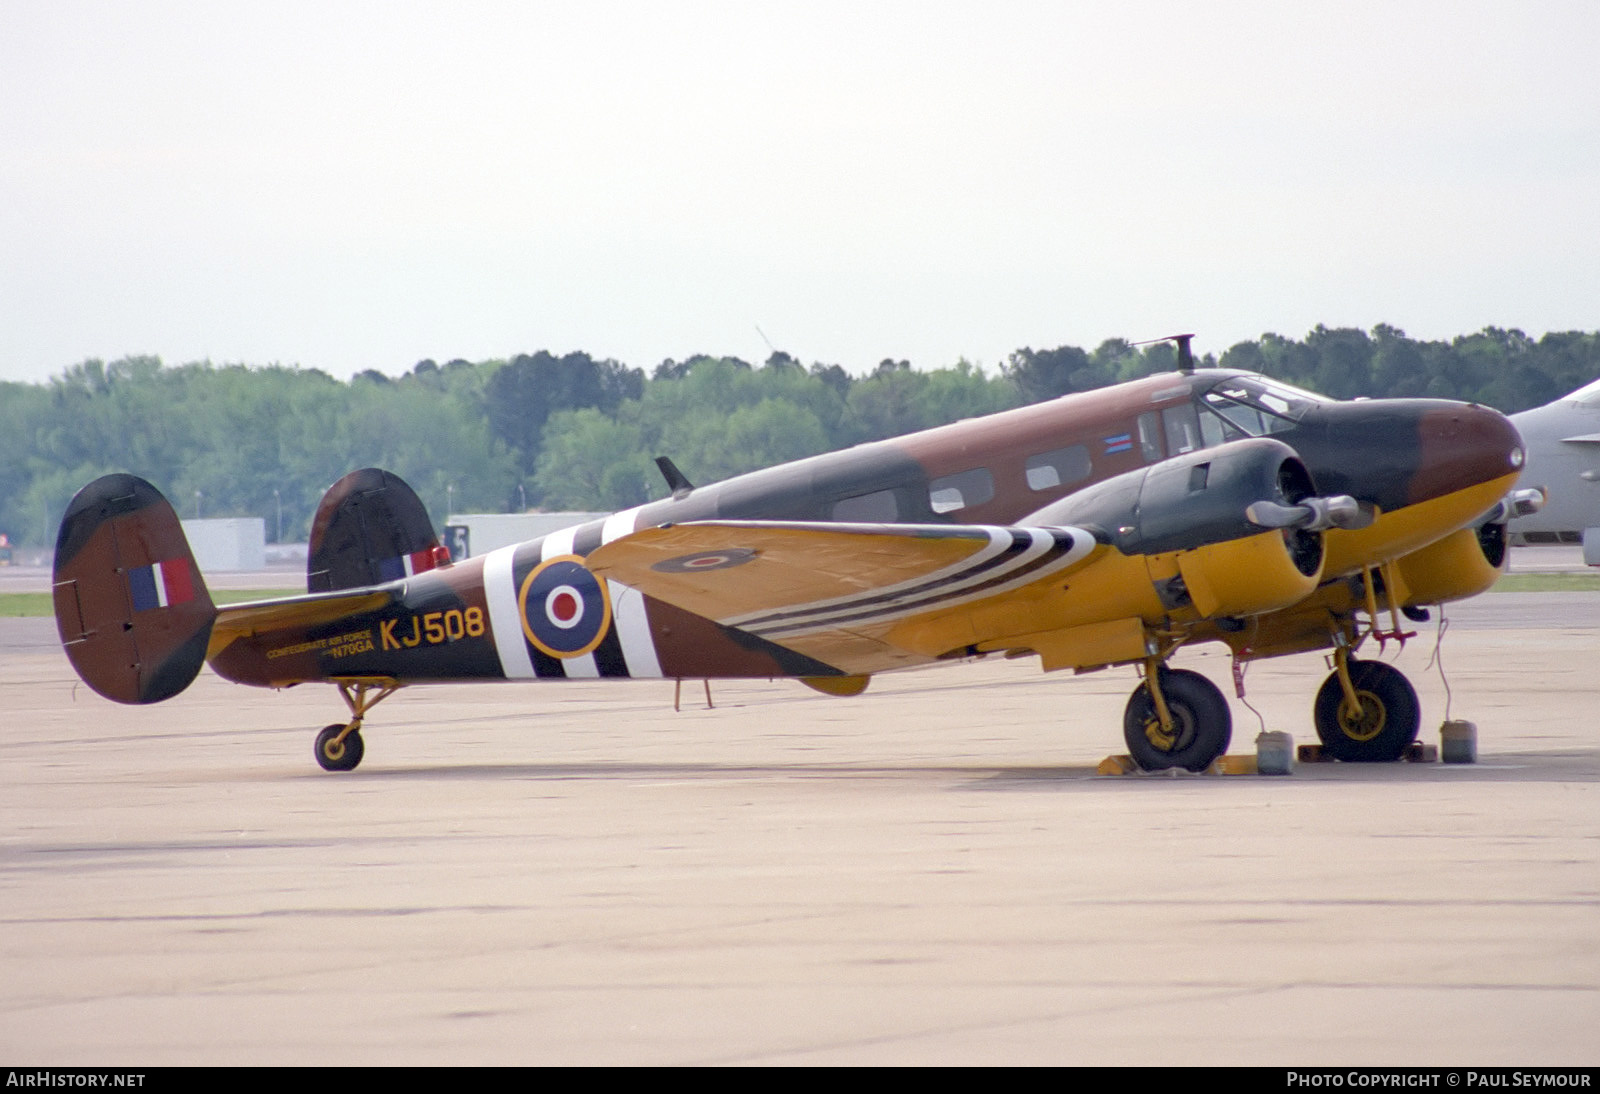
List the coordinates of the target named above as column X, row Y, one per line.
column 1461, row 445
column 1398, row 452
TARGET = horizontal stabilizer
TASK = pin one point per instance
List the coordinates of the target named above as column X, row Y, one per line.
column 278, row 641
column 260, row 616
column 131, row 607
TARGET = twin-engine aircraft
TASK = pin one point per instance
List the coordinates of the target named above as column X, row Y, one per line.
column 1109, row 528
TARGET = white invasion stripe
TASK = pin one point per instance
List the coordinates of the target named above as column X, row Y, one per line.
column 931, row 587
column 505, row 622
column 581, row 668
column 557, row 543
column 633, row 628
column 870, row 608
column 627, row 607
column 977, row 587
column 999, row 540
column 619, row 524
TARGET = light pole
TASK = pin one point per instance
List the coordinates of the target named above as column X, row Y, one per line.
column 279, row 499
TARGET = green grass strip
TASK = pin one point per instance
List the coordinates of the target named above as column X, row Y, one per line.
column 1548, row 583
column 19, row 605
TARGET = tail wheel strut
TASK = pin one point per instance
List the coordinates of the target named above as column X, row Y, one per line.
column 339, row 747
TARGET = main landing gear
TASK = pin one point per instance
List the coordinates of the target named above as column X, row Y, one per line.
column 1176, row 718
column 339, row 747
column 1366, row 711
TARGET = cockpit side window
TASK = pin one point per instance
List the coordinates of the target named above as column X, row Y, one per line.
column 1245, row 420
column 1150, row 437
column 1216, row 430
column 1183, row 429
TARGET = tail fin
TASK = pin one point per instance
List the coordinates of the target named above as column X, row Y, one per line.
column 131, row 607
column 370, row 528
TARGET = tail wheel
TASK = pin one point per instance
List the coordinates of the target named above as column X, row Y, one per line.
column 336, row 755
column 1202, row 724
column 1382, row 728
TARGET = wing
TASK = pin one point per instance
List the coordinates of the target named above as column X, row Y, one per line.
column 862, row 597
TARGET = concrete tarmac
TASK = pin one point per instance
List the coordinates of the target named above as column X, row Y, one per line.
column 931, row 873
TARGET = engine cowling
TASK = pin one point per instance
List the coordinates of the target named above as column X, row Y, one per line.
column 1462, row 564
column 1190, row 519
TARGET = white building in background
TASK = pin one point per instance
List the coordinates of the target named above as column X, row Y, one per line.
column 485, row 532
column 229, row 543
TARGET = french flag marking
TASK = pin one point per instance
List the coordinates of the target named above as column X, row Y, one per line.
column 161, row 584
column 393, row 569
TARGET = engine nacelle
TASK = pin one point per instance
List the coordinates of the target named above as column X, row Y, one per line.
column 1248, row 576
column 1189, row 518
column 1462, row 564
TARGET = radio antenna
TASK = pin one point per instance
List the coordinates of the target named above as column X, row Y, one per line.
column 1185, row 353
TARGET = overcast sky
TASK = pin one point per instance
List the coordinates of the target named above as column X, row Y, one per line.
column 362, row 185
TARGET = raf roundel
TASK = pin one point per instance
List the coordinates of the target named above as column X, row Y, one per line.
column 705, row 560
column 565, row 610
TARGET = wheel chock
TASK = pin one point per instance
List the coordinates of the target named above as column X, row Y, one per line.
column 1117, row 765
column 1222, row 765
column 1417, row 753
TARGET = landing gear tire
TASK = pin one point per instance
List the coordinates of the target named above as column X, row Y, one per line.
column 1202, row 724
column 336, row 755
column 1384, row 727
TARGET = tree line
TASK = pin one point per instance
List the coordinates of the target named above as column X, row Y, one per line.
column 573, row 432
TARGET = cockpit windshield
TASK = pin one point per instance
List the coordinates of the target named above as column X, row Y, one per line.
column 1257, row 406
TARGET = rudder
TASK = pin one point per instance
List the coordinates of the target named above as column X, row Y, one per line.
column 131, row 607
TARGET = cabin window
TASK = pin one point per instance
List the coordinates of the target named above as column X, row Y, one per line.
column 878, row 507
column 961, row 490
column 1150, row 437
column 1058, row 468
column 1182, row 425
